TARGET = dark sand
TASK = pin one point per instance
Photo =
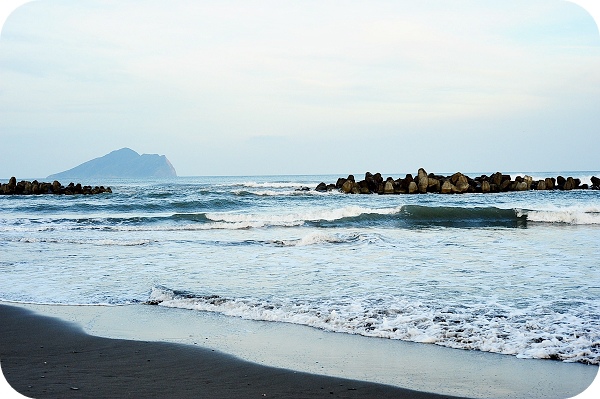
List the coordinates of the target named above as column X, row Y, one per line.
column 43, row 357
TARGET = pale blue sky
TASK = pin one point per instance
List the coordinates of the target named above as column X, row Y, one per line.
column 294, row 87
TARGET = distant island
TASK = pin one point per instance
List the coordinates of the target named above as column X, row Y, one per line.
column 123, row 163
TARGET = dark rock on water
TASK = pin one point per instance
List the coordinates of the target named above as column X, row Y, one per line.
column 322, row 187
column 123, row 163
column 347, row 186
column 457, row 183
column 36, row 188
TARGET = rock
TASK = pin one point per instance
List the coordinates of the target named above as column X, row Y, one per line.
column 10, row 187
column 378, row 178
column 37, row 188
column 521, row 186
column 430, row 183
column 462, row 184
column 388, row 187
column 422, row 181
column 447, row 187
column 485, row 186
column 412, row 187
column 373, row 181
column 569, row 184
column 321, row 187
column 56, row 187
column 28, row 188
column 456, row 190
column 400, row 187
column 504, row 186
column 347, row 186
column 45, row 188
column 433, row 184
column 454, row 178
column 423, row 185
column 541, row 185
column 496, row 179
column 364, row 187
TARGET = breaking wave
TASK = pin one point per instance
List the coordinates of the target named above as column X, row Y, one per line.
column 405, row 216
column 572, row 215
column 542, row 331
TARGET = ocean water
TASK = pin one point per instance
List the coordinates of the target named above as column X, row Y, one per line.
column 510, row 273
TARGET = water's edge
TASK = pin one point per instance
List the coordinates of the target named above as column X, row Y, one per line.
column 422, row 367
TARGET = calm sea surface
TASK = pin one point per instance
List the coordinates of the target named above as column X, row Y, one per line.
column 512, row 273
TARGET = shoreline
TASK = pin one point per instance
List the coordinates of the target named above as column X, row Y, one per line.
column 424, row 368
column 46, row 357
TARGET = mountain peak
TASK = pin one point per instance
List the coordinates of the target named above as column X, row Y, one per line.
column 121, row 163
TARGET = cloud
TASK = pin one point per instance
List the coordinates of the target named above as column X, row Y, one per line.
column 200, row 72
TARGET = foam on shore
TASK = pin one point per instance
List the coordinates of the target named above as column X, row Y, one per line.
column 409, row 365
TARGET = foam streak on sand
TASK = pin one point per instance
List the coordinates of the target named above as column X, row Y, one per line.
column 488, row 327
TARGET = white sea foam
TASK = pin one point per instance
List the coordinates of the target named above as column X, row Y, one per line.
column 292, row 219
column 278, row 193
column 227, row 220
column 568, row 215
column 101, row 242
column 242, row 225
column 486, row 327
column 253, row 184
column 316, row 238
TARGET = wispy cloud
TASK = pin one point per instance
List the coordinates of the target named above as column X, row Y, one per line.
column 302, row 70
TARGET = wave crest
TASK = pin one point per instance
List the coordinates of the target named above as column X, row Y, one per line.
column 574, row 216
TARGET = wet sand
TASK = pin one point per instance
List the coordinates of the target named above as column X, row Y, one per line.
column 44, row 357
column 133, row 359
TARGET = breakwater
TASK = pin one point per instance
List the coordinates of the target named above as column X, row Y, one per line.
column 457, row 183
column 25, row 187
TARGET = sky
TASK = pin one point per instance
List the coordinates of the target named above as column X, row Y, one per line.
column 301, row 87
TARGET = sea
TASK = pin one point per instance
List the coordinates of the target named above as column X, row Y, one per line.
column 513, row 273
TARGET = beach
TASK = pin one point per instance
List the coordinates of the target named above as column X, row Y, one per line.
column 57, row 357
column 45, row 358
